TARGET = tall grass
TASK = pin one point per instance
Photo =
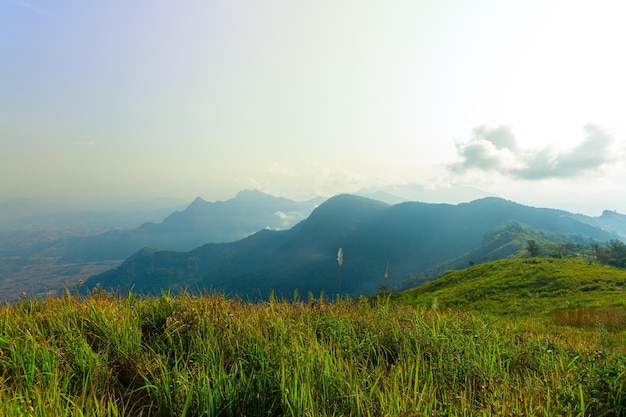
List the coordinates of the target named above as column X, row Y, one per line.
column 209, row 355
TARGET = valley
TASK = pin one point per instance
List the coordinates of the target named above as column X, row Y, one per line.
column 45, row 277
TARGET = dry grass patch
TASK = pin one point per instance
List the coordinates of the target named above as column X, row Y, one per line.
column 613, row 318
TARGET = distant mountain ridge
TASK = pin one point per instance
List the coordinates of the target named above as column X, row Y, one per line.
column 608, row 220
column 225, row 221
column 451, row 193
column 412, row 237
column 200, row 223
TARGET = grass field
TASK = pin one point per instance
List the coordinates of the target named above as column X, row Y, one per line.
column 209, row 355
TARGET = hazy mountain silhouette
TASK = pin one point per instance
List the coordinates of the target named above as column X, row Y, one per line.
column 201, row 222
column 609, row 220
column 412, row 237
column 451, row 194
column 226, row 221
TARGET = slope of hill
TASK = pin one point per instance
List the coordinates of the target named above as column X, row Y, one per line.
column 530, row 286
column 410, row 237
column 508, row 241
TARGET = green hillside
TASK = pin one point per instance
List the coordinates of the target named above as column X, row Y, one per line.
column 529, row 286
column 507, row 241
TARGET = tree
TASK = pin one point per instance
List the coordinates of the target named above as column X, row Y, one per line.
column 533, row 248
column 598, row 251
column 616, row 254
column 613, row 253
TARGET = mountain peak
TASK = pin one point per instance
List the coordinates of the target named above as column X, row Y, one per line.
column 345, row 208
column 198, row 202
column 490, row 200
column 253, row 192
column 252, row 195
column 608, row 214
column 257, row 197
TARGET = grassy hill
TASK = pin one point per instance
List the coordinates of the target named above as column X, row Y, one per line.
column 524, row 287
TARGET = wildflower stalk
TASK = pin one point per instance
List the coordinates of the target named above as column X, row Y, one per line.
column 339, row 262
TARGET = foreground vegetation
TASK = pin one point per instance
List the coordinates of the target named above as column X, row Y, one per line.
column 208, row 355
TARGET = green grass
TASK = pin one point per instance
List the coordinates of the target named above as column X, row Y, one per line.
column 208, row 355
column 530, row 287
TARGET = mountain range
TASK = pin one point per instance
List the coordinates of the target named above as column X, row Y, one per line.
column 199, row 223
column 383, row 246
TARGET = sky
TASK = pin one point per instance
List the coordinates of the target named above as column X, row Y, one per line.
column 119, row 100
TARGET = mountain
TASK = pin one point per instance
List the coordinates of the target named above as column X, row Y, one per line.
column 410, row 237
column 201, row 222
column 384, row 197
column 508, row 240
column 452, row 193
column 609, row 220
column 226, row 221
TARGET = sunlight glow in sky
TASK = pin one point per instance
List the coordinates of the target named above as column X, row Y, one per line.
column 115, row 100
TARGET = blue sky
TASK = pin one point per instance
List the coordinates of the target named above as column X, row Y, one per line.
column 115, row 100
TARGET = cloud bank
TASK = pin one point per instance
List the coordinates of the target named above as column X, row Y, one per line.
column 495, row 149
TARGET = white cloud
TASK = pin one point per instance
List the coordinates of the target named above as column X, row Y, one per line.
column 289, row 219
column 495, row 149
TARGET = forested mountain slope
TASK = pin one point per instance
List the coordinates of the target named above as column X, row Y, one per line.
column 410, row 237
